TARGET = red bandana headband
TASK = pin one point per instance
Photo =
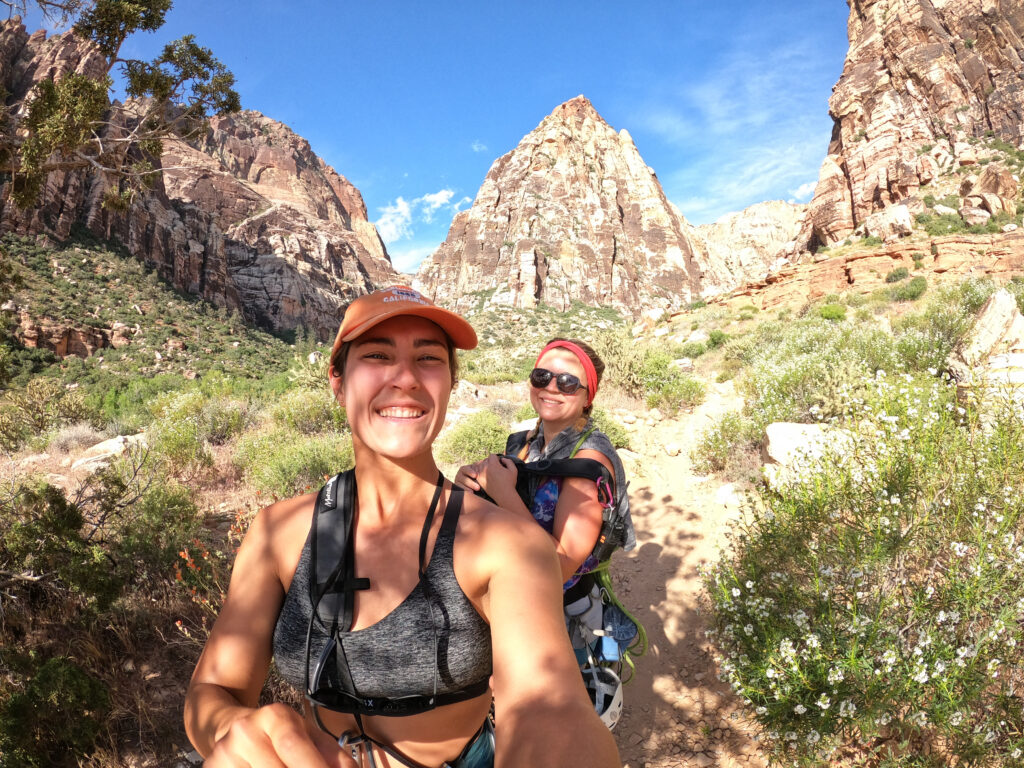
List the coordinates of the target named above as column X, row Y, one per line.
column 585, row 361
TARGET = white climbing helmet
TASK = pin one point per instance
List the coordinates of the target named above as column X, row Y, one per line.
column 605, row 691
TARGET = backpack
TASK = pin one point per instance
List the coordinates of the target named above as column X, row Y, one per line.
column 602, row 631
column 613, row 523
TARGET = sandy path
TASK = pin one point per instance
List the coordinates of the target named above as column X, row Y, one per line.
column 676, row 712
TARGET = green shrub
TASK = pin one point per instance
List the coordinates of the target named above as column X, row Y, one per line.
column 495, row 365
column 692, row 350
column 44, row 404
column 473, row 438
column 873, row 603
column 720, row 443
column 282, row 464
column 308, row 411
column 717, row 338
column 524, row 412
column 832, row 312
column 52, row 716
column 900, row 273
column 871, row 241
column 678, row 390
column 615, row 431
column 47, row 536
column 941, row 224
column 910, row 291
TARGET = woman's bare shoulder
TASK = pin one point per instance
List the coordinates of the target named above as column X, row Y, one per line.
column 497, row 533
column 278, row 532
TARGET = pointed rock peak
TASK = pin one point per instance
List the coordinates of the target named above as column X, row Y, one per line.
column 580, row 108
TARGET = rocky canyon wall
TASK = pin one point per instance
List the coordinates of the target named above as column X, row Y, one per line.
column 920, row 78
column 248, row 217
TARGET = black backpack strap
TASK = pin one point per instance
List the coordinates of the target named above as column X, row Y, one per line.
column 332, row 552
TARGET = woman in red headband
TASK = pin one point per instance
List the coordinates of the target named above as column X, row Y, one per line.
column 563, row 384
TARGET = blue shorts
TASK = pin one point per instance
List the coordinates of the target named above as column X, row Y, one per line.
column 479, row 753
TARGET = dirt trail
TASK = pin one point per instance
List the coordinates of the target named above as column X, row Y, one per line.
column 676, row 712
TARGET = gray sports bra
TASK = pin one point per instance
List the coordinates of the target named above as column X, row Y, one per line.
column 396, row 658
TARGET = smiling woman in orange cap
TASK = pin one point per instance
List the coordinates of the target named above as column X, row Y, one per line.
column 392, row 600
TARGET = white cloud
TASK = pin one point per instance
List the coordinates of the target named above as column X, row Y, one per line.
column 804, row 191
column 431, row 202
column 394, row 221
column 408, row 260
column 478, row 146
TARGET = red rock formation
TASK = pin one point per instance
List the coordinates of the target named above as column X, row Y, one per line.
column 950, row 258
column 571, row 214
column 61, row 338
column 248, row 217
column 918, row 72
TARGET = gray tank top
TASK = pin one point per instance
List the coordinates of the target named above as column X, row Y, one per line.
column 396, row 656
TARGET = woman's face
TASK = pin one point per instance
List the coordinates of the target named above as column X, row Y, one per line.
column 396, row 386
column 551, row 405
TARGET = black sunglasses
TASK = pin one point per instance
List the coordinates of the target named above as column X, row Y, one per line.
column 567, row 383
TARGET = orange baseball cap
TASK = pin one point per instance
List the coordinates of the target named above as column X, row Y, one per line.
column 373, row 308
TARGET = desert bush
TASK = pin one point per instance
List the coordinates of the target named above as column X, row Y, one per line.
column 900, row 273
column 664, row 386
column 48, row 550
column 941, row 224
column 473, row 438
column 832, row 312
column 677, row 390
column 308, row 411
column 692, row 349
column 790, row 365
column 75, row 436
column 874, row 603
column 924, row 340
column 524, row 412
column 910, row 291
column 280, row 463
column 615, row 431
column 55, row 713
column 179, row 442
column 43, row 404
column 722, row 441
column 1016, row 287
column 717, row 338
column 491, row 366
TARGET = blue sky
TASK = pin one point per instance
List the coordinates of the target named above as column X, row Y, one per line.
column 413, row 101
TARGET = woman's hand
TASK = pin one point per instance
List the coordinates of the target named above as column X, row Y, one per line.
column 276, row 736
column 497, row 475
column 466, row 476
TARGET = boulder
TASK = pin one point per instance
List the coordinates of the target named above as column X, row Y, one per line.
column 973, row 216
column 100, row 455
column 789, row 448
column 943, row 210
column 890, row 223
column 998, row 330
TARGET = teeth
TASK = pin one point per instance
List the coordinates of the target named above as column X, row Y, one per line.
column 400, row 413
